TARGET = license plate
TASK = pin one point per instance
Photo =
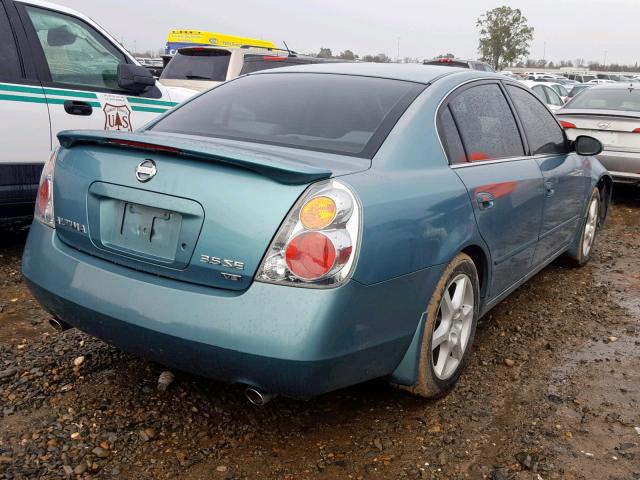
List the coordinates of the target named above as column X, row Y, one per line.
column 145, row 230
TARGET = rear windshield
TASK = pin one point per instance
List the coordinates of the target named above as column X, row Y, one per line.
column 254, row 63
column 607, row 99
column 334, row 113
column 198, row 65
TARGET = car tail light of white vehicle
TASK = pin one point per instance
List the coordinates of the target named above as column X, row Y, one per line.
column 317, row 244
column 44, row 199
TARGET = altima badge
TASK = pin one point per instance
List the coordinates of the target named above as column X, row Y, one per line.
column 146, row 170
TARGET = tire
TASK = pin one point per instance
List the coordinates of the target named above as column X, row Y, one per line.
column 582, row 252
column 434, row 378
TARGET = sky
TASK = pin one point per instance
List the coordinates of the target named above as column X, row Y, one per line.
column 564, row 29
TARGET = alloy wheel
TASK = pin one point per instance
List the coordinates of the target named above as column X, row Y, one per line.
column 452, row 327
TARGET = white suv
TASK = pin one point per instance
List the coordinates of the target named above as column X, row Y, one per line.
column 58, row 71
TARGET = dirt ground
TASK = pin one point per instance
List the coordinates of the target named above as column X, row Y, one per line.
column 568, row 406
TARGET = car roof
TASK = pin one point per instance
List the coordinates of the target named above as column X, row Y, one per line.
column 57, row 7
column 410, row 72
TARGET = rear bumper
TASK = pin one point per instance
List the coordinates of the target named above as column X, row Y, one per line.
column 623, row 166
column 293, row 341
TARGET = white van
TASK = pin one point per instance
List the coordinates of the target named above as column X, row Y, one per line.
column 58, row 71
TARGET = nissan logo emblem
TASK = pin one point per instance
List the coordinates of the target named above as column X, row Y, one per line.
column 146, row 170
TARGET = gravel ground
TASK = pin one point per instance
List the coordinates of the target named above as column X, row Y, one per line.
column 552, row 391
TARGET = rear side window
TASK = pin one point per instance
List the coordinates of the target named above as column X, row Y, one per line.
column 486, row 124
column 203, row 64
column 543, row 132
column 333, row 113
column 9, row 61
column 553, row 97
column 451, row 138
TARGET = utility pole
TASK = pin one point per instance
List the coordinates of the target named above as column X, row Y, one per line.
column 604, row 62
column 398, row 57
column 544, row 53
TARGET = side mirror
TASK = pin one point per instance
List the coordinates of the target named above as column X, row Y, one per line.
column 60, row 37
column 134, row 78
column 587, row 146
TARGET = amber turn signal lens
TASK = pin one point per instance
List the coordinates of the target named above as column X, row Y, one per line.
column 318, row 213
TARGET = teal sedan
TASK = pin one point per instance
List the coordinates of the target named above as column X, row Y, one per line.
column 303, row 229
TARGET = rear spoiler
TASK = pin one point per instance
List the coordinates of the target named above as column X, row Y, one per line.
column 280, row 168
column 574, row 112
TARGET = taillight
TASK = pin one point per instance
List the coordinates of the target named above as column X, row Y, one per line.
column 44, row 199
column 636, row 130
column 565, row 125
column 317, row 243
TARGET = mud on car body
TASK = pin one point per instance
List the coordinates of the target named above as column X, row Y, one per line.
column 353, row 224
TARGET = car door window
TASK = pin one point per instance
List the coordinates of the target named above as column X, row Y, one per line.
column 9, row 62
column 542, row 131
column 486, row 125
column 75, row 52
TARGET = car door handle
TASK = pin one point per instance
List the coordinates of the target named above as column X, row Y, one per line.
column 77, row 107
column 485, row 200
column 548, row 189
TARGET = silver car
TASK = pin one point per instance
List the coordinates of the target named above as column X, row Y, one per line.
column 610, row 113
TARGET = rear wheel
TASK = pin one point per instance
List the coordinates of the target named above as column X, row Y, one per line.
column 449, row 330
column 588, row 234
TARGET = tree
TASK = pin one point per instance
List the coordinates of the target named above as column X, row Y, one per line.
column 504, row 36
column 379, row 58
column 347, row 55
column 446, row 55
column 325, row 53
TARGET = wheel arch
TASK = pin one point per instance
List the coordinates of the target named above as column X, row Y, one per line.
column 480, row 259
column 605, row 187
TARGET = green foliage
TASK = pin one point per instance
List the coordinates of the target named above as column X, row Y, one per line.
column 348, row 55
column 325, row 53
column 504, row 36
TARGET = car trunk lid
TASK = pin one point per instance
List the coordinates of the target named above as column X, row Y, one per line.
column 617, row 130
column 200, row 211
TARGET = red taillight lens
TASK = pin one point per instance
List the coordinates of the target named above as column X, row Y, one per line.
column 565, row 125
column 636, row 130
column 445, row 60
column 310, row 255
column 274, row 59
column 44, row 199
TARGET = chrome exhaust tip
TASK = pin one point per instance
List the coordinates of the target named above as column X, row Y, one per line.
column 58, row 325
column 257, row 396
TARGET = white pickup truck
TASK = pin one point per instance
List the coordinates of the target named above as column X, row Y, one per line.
column 59, row 70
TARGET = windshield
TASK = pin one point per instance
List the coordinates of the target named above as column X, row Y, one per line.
column 607, row 99
column 198, row 65
column 334, row 113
